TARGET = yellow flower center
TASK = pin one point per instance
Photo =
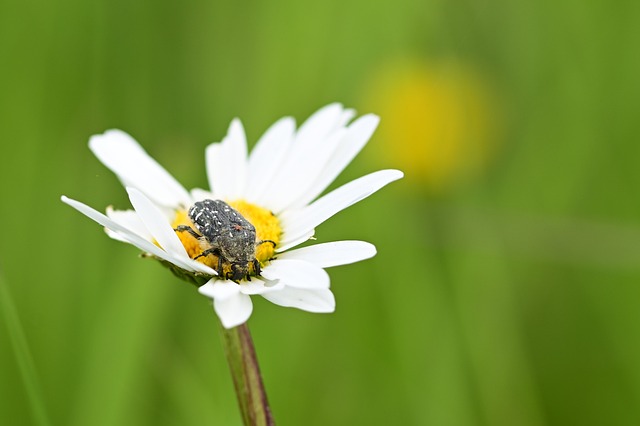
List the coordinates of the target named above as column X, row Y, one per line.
column 268, row 234
column 446, row 115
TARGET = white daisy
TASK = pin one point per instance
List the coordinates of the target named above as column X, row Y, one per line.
column 275, row 187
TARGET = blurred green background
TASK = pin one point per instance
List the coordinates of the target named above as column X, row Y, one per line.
column 507, row 283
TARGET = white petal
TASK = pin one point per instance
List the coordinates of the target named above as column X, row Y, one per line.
column 316, row 300
column 258, row 286
column 129, row 236
column 296, row 273
column 266, row 158
column 126, row 158
column 320, row 124
column 286, row 245
column 213, row 154
column 345, row 117
column 115, row 236
column 219, row 289
column 227, row 164
column 156, row 223
column 199, row 194
column 130, row 220
column 332, row 254
column 160, row 228
column 196, row 266
column 299, row 222
column 313, row 145
column 305, row 171
column 234, row 310
column 356, row 137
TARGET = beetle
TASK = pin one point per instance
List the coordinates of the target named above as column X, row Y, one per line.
column 225, row 233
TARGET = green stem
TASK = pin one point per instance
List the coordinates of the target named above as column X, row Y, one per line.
column 241, row 355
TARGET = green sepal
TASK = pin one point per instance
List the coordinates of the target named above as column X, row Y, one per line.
column 196, row 278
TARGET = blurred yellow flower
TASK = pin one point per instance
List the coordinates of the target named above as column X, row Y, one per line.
column 441, row 121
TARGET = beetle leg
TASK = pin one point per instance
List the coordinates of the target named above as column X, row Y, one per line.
column 207, row 252
column 219, row 270
column 266, row 241
column 256, row 267
column 189, row 229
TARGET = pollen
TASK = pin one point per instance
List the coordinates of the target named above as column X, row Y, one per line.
column 193, row 246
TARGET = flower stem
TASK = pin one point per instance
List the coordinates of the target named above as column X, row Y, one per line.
column 241, row 356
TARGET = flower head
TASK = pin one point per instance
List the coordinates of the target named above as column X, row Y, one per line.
column 446, row 111
column 235, row 240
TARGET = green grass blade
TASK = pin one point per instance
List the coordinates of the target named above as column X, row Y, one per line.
column 23, row 355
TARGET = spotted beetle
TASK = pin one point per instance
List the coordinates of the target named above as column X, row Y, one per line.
column 225, row 233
